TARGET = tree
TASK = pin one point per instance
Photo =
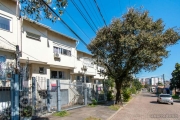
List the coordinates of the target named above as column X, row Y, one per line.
column 132, row 44
column 175, row 80
column 137, row 84
column 38, row 9
column 160, row 84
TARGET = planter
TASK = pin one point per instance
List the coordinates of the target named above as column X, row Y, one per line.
column 26, row 118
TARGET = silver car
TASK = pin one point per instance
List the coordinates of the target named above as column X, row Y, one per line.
column 165, row 98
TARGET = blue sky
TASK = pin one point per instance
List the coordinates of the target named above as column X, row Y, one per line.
column 167, row 10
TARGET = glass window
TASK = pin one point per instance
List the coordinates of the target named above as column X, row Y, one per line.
column 55, row 50
column 65, row 52
column 4, row 23
column 60, row 74
column 54, row 74
column 165, row 96
column 57, row 74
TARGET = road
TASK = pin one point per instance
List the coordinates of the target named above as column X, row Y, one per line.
column 145, row 107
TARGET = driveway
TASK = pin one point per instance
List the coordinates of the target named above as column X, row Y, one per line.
column 145, row 107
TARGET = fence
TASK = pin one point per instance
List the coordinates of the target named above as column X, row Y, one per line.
column 44, row 96
column 56, row 95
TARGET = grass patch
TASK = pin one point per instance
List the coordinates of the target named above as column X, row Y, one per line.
column 92, row 105
column 114, row 107
column 61, row 114
column 175, row 96
column 92, row 118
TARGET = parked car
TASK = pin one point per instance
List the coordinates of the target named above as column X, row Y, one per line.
column 165, row 98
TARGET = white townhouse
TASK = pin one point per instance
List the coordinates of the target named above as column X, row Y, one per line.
column 51, row 55
column 92, row 70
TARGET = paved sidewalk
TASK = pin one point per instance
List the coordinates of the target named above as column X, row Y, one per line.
column 103, row 112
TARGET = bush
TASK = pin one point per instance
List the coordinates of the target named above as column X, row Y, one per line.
column 94, row 102
column 133, row 90
column 110, row 96
column 126, row 94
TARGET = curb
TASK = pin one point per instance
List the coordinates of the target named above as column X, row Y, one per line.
column 120, row 108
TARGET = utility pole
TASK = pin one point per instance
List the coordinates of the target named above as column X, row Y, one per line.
column 17, row 59
column 164, row 80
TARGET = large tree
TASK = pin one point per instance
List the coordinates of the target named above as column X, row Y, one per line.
column 131, row 44
column 175, row 80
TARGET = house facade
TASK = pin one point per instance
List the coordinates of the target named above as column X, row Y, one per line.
column 48, row 53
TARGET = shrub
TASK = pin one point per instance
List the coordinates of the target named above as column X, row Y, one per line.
column 133, row 90
column 110, row 96
column 126, row 94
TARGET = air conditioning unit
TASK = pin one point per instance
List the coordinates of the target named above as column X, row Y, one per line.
column 56, row 55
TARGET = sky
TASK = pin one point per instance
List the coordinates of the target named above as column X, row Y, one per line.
column 167, row 10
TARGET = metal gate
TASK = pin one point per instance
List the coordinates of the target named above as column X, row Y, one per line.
column 55, row 95
column 6, row 70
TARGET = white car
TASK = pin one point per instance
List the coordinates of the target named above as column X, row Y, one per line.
column 165, row 98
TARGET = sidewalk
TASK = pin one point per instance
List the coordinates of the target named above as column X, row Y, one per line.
column 103, row 112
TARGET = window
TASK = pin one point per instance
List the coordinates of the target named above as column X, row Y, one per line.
column 57, row 74
column 5, row 23
column 62, row 51
column 57, row 50
column 33, row 36
column 41, row 70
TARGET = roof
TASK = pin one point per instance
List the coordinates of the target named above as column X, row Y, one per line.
column 85, row 52
column 49, row 28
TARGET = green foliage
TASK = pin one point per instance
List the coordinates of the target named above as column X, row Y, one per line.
column 61, row 113
column 34, row 8
column 146, row 86
column 109, row 83
column 175, row 96
column 114, row 107
column 175, row 81
column 137, row 85
column 110, row 95
column 131, row 44
column 94, row 102
column 160, row 84
column 26, row 111
column 92, row 118
column 126, row 94
column 133, row 90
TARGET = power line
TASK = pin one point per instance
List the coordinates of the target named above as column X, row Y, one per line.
column 83, row 15
column 8, row 41
column 95, row 12
column 100, row 12
column 88, row 14
column 76, row 24
column 92, row 12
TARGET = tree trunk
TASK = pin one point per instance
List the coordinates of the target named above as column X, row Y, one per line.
column 118, row 93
